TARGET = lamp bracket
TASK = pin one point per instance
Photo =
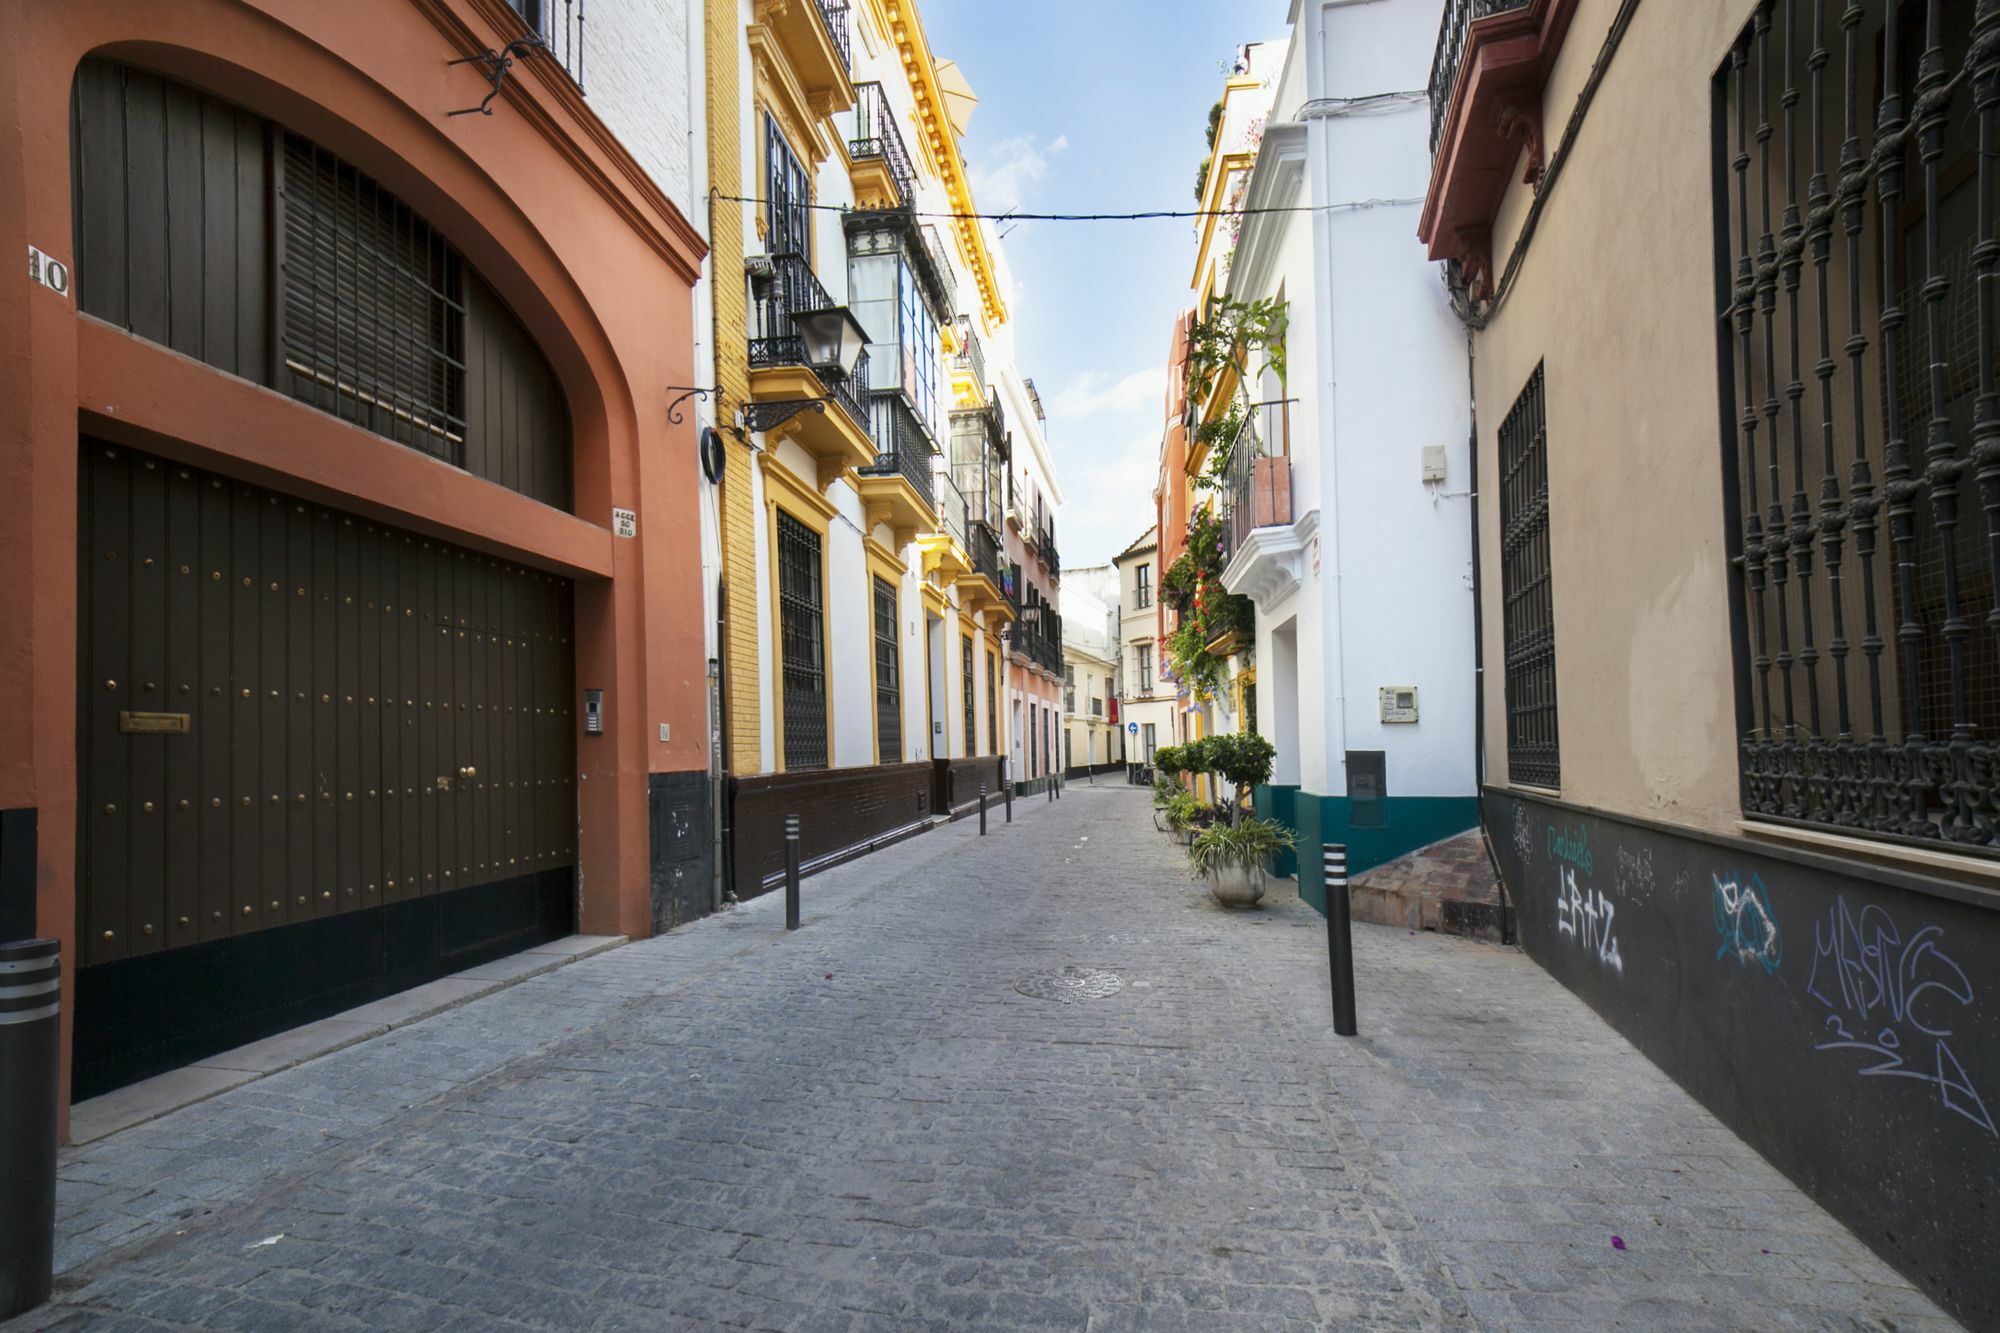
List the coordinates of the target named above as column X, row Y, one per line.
column 493, row 67
column 771, row 415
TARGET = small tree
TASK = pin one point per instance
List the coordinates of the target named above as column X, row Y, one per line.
column 1245, row 759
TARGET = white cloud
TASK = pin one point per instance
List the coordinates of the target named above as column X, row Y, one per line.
column 1110, row 497
column 1094, row 391
column 1007, row 173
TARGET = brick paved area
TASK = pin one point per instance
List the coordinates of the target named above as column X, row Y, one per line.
column 866, row 1126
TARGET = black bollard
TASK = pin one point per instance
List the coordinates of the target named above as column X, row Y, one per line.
column 1007, row 794
column 1339, row 937
column 30, row 1005
column 982, row 809
column 791, row 872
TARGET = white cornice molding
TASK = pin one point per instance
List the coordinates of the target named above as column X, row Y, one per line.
column 1275, row 181
column 1270, row 564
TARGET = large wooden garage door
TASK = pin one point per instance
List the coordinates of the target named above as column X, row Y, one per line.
column 320, row 760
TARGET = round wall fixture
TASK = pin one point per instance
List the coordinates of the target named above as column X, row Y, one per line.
column 711, row 453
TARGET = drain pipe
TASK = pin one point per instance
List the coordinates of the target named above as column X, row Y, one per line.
column 1479, row 651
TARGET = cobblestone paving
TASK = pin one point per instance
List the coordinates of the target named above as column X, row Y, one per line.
column 866, row 1125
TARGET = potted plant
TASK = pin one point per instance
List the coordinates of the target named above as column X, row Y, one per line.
column 1233, row 858
column 1185, row 814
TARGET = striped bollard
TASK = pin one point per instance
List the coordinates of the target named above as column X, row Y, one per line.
column 1339, row 936
column 982, row 809
column 791, row 872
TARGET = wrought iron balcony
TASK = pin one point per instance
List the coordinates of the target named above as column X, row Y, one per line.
column 1458, row 16
column 559, row 23
column 834, row 14
column 985, row 550
column 876, row 135
column 791, row 289
column 906, row 449
column 954, row 515
column 1259, row 475
column 972, row 361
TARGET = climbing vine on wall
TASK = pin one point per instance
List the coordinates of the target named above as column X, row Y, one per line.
column 1192, row 587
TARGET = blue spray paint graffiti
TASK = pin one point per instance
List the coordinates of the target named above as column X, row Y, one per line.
column 1743, row 919
column 1890, row 996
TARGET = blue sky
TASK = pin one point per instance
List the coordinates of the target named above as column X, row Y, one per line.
column 1064, row 125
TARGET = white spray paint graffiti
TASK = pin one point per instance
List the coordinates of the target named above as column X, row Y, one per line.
column 1587, row 917
column 1524, row 836
column 1634, row 876
column 1893, row 998
column 1743, row 919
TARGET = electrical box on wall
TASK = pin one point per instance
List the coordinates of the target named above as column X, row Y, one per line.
column 1433, row 462
column 1399, row 703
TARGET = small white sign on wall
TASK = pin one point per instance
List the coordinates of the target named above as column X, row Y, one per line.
column 624, row 523
column 51, row 273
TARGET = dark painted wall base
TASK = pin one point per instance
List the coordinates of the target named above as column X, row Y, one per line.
column 1843, row 1019
column 680, row 811
column 1031, row 787
column 17, row 876
column 843, row 813
column 143, row 1016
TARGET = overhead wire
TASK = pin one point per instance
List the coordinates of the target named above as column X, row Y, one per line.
column 1143, row 216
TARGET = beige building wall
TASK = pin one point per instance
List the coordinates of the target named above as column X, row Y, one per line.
column 1644, row 683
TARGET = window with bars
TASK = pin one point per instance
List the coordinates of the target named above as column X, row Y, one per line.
column 1069, row 687
column 373, row 306
column 802, row 629
column 992, row 703
column 1533, row 754
column 1145, row 651
column 1143, row 592
column 1860, row 244
column 971, row 699
column 787, row 196
column 888, row 675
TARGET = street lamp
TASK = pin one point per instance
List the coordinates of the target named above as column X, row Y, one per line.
column 833, row 339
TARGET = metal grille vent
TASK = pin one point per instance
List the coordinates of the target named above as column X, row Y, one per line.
column 1071, row 984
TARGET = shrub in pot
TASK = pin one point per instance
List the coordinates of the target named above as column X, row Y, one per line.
column 1185, row 813
column 1233, row 857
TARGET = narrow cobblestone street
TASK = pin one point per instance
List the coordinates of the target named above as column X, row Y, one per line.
column 868, row 1125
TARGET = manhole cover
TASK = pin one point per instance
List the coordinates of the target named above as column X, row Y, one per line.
column 1068, row 985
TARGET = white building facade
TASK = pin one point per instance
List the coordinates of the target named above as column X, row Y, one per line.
column 1348, row 508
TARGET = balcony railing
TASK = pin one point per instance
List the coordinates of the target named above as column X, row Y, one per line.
column 876, row 135
column 972, row 360
column 904, row 448
column 559, row 23
column 935, row 252
column 954, row 515
column 1259, row 490
column 1458, row 16
column 834, row 14
column 790, row 289
column 985, row 551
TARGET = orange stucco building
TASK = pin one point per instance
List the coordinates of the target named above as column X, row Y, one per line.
column 316, row 350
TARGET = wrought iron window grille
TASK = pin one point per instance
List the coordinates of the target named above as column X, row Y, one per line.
column 802, row 634
column 1533, row 751
column 1858, row 159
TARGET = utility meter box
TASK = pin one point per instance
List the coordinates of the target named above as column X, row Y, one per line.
column 1399, row 703
column 1433, row 462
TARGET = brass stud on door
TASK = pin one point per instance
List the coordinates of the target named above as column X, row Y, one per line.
column 108, row 937
column 274, row 904
column 184, row 921
column 147, row 807
column 146, row 929
column 326, row 895
column 110, row 809
column 247, row 909
column 110, row 684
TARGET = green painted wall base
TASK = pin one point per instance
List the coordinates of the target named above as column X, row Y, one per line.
column 1276, row 801
column 1412, row 822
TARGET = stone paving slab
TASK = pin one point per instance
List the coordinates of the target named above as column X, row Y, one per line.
column 869, row 1125
column 151, row 1098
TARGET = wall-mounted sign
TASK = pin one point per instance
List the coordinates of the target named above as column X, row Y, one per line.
column 51, row 273
column 153, row 724
column 624, row 523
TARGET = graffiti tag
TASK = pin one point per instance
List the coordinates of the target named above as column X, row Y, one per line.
column 1587, row 917
column 1743, row 919
column 1572, row 845
column 1891, row 997
column 1634, row 876
column 1524, row 836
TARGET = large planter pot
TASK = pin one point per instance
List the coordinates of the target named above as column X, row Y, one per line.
column 1237, row 886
